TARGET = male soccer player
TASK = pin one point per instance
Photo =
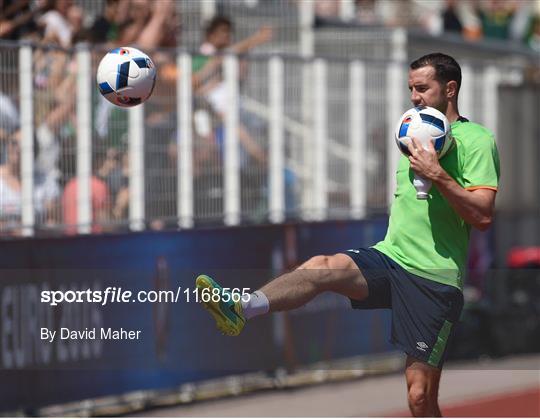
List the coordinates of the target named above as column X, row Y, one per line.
column 416, row 271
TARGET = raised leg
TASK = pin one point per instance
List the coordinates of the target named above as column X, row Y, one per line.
column 337, row 273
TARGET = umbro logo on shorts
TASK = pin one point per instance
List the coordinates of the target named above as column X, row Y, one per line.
column 422, row 346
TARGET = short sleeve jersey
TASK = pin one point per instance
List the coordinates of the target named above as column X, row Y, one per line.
column 427, row 237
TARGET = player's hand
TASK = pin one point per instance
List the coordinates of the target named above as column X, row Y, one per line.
column 424, row 162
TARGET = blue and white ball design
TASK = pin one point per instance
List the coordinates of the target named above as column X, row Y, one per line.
column 126, row 76
column 425, row 124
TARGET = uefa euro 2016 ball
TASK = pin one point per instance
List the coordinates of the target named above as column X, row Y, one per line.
column 126, row 76
column 425, row 124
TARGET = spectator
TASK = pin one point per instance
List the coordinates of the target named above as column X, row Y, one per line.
column 210, row 86
column 451, row 19
column 46, row 176
column 11, row 190
column 9, row 122
column 151, row 25
column 18, row 17
column 55, row 119
column 160, row 170
column 533, row 39
column 469, row 19
column 111, row 166
column 106, row 28
column 162, row 28
column 138, row 16
column 522, row 19
column 49, row 71
column 218, row 36
column 496, row 17
column 46, row 192
column 157, row 28
column 460, row 17
column 100, row 201
column 110, row 169
column 46, row 199
column 62, row 22
column 399, row 13
column 121, row 200
column 55, row 126
column 327, row 9
column 367, row 12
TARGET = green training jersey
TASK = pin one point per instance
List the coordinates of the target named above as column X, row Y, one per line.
column 427, row 237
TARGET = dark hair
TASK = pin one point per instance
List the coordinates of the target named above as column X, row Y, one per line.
column 446, row 68
column 215, row 23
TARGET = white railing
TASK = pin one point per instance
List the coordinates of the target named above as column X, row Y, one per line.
column 231, row 181
column 185, row 140
column 84, row 141
column 136, row 168
column 277, row 144
column 26, row 140
column 307, row 139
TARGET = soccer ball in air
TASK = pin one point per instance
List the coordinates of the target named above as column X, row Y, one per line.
column 126, row 76
column 425, row 124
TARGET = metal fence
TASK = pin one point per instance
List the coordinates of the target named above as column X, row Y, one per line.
column 279, row 138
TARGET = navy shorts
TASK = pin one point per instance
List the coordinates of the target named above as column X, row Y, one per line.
column 424, row 312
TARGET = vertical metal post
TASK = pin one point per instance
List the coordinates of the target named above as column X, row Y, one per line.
column 395, row 87
column 395, row 82
column 491, row 98
column 346, row 9
column 27, row 139
column 232, row 152
column 307, row 46
column 399, row 45
column 320, row 174
column 357, row 133
column 307, row 140
column 84, row 140
column 136, row 168
column 184, row 143
column 208, row 10
column 277, row 149
column 306, row 20
column 466, row 92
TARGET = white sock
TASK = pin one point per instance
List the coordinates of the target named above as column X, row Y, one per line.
column 256, row 305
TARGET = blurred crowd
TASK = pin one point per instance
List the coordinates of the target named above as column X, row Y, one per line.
column 148, row 25
column 151, row 25
column 475, row 20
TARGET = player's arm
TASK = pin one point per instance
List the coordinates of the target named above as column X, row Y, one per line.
column 474, row 206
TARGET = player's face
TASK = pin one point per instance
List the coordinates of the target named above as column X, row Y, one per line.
column 425, row 90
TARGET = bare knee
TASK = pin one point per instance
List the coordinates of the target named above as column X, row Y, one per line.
column 326, row 271
column 422, row 402
column 317, row 262
column 334, row 262
column 418, row 400
column 423, row 388
column 317, row 272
